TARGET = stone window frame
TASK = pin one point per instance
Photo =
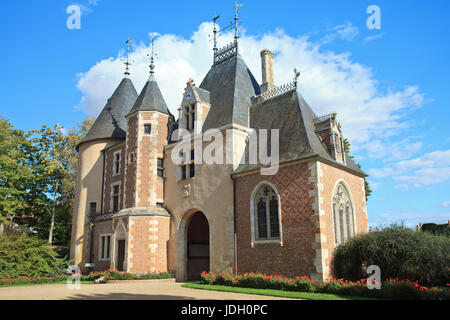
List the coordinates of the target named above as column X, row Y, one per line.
column 188, row 167
column 119, row 152
column 147, row 125
column 254, row 239
column 189, row 116
column 344, row 204
column 111, row 201
column 100, row 247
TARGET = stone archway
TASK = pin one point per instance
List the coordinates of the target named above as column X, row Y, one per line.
column 193, row 247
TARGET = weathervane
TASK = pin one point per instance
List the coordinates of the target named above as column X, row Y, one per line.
column 127, row 64
column 236, row 32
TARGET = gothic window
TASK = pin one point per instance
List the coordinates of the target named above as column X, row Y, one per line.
column 267, row 219
column 344, row 225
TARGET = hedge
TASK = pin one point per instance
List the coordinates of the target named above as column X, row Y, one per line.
column 399, row 252
column 393, row 289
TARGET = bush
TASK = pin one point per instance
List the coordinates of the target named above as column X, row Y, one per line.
column 25, row 255
column 399, row 252
column 392, row 289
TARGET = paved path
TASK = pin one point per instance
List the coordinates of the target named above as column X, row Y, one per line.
column 122, row 290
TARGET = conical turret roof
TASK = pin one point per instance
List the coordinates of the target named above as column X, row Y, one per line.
column 150, row 98
column 111, row 122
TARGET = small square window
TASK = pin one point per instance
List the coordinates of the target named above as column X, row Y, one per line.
column 159, row 204
column 147, row 128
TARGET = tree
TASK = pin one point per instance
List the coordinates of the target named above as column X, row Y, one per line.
column 366, row 183
column 58, row 158
column 15, row 171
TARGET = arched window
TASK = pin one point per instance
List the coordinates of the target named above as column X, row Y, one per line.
column 267, row 220
column 344, row 225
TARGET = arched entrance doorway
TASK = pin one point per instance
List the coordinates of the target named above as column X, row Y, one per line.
column 197, row 259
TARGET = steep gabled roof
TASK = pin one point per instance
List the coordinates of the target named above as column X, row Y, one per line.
column 111, row 122
column 230, row 85
column 290, row 113
column 150, row 98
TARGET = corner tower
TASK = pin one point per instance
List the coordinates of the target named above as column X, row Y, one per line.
column 108, row 129
column 148, row 221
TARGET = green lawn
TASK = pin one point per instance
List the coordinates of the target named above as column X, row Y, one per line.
column 271, row 292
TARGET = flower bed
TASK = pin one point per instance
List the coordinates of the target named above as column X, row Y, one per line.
column 5, row 281
column 113, row 274
column 109, row 275
column 391, row 289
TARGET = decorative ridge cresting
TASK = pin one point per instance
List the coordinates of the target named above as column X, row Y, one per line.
column 226, row 52
column 275, row 92
column 325, row 117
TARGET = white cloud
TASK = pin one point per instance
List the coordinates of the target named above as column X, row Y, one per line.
column 329, row 81
column 345, row 31
column 445, row 204
column 377, row 36
column 429, row 169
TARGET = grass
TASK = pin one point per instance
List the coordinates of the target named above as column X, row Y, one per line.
column 271, row 292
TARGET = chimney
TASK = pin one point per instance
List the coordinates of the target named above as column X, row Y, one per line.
column 267, row 71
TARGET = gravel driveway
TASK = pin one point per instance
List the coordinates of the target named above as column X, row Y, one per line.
column 166, row 289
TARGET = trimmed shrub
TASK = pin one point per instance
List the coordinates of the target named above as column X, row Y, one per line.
column 25, row 255
column 392, row 289
column 399, row 252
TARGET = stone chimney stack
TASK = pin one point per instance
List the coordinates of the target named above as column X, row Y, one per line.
column 267, row 71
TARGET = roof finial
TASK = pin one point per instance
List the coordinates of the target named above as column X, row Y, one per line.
column 127, row 64
column 236, row 27
column 296, row 75
column 215, row 33
column 153, row 56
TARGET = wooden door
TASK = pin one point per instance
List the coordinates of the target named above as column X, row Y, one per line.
column 121, row 255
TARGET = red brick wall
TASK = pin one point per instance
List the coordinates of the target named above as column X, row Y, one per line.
column 99, row 229
column 109, row 178
column 330, row 177
column 148, row 244
column 299, row 224
column 130, row 181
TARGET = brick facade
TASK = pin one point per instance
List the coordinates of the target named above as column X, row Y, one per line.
column 296, row 253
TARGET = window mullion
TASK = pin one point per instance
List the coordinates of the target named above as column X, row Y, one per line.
column 268, row 218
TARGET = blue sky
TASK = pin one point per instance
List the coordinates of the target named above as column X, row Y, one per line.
column 390, row 87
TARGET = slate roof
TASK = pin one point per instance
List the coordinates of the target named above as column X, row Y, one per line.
column 290, row 113
column 111, row 122
column 230, row 85
column 150, row 98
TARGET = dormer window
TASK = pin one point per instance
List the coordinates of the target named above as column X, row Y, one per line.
column 189, row 115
